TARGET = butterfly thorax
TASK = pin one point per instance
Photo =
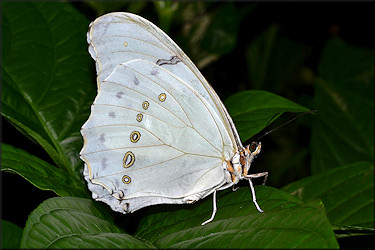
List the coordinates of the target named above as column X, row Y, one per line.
column 237, row 168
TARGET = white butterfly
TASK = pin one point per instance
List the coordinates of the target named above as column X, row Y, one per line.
column 158, row 133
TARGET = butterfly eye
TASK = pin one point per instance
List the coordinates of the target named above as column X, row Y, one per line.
column 253, row 146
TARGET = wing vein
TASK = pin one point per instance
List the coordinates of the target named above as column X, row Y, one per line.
column 199, row 97
column 150, row 99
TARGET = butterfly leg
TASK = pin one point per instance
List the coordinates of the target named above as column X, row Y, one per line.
column 214, row 201
column 249, row 177
column 265, row 174
column 254, row 197
column 213, row 212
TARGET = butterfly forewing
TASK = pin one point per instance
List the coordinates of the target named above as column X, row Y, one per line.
column 117, row 38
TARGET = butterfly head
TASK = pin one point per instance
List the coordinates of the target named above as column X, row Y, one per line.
column 241, row 162
column 250, row 152
column 254, row 148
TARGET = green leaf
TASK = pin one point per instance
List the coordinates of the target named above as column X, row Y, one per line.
column 221, row 36
column 259, row 54
column 346, row 191
column 343, row 131
column 349, row 231
column 253, row 110
column 40, row 173
column 10, row 235
column 166, row 11
column 285, row 223
column 210, row 31
column 273, row 59
column 70, row 222
column 47, row 90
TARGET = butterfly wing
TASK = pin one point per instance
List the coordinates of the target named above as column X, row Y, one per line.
column 157, row 133
column 146, row 142
column 120, row 37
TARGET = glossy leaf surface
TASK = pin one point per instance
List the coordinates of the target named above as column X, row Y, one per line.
column 253, row 110
column 40, row 173
column 347, row 193
column 285, row 223
column 10, row 235
column 74, row 223
column 47, row 88
column 343, row 131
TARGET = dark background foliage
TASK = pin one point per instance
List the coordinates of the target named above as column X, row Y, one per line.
column 299, row 32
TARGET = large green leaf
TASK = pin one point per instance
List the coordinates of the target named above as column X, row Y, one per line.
column 70, row 222
column 343, row 132
column 10, row 235
column 209, row 31
column 40, row 173
column 273, row 59
column 253, row 110
column 347, row 193
column 47, row 90
column 285, row 223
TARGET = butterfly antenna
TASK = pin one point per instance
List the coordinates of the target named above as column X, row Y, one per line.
column 285, row 123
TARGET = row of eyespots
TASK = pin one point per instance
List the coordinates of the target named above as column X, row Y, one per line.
column 146, row 104
column 129, row 157
column 128, row 161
